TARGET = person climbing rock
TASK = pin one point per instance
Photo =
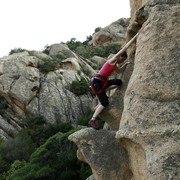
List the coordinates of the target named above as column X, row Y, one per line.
column 100, row 83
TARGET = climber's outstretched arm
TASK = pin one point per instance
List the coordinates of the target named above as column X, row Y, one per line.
column 114, row 58
column 126, row 46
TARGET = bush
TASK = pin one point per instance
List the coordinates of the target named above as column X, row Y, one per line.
column 16, row 50
column 34, row 127
column 18, row 148
column 61, row 55
column 112, row 48
column 83, row 49
column 34, row 134
column 4, row 163
column 84, row 119
column 56, row 159
column 39, row 131
column 48, row 65
column 97, row 29
column 15, row 166
column 80, row 87
column 3, row 106
column 73, row 44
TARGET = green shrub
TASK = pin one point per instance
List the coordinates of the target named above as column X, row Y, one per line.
column 13, row 149
column 97, row 29
column 3, row 176
column 73, row 44
column 39, row 131
column 83, row 49
column 14, row 167
column 84, row 171
column 112, row 48
column 56, row 159
column 35, row 132
column 3, row 106
column 48, row 65
column 80, row 87
column 18, row 148
column 34, row 127
column 61, row 55
column 4, row 163
column 84, row 119
column 16, row 50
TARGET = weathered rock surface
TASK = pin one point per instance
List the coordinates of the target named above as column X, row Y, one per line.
column 8, row 128
column 148, row 120
column 142, row 140
column 27, row 90
column 112, row 113
column 55, row 50
column 149, row 125
column 101, row 150
column 111, row 33
column 98, row 60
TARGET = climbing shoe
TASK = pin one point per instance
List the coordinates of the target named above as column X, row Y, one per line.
column 94, row 124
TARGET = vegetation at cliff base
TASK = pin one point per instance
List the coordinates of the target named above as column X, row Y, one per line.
column 56, row 159
column 41, row 151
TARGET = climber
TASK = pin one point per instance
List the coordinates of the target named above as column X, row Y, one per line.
column 100, row 83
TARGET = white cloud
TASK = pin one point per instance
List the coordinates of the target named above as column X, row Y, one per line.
column 31, row 24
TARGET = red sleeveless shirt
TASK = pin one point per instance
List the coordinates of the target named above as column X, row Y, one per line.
column 107, row 69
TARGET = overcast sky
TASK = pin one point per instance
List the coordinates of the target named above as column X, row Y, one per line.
column 33, row 24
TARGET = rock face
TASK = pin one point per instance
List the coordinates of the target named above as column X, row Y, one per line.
column 149, row 126
column 27, row 89
column 143, row 134
column 149, row 122
column 112, row 114
column 103, row 153
column 111, row 33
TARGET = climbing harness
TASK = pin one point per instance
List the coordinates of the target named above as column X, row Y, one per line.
column 98, row 83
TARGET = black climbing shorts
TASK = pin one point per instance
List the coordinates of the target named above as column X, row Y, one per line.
column 103, row 98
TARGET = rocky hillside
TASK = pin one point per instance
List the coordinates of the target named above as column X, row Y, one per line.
column 44, row 83
column 31, row 84
column 140, row 138
column 142, row 142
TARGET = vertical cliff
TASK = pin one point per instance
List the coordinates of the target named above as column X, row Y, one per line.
column 149, row 126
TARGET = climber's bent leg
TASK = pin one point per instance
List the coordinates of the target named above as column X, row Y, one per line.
column 113, row 83
column 103, row 103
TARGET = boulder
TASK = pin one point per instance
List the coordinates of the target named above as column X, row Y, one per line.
column 101, row 150
column 111, row 33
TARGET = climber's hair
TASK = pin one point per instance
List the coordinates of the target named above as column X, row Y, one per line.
column 124, row 55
